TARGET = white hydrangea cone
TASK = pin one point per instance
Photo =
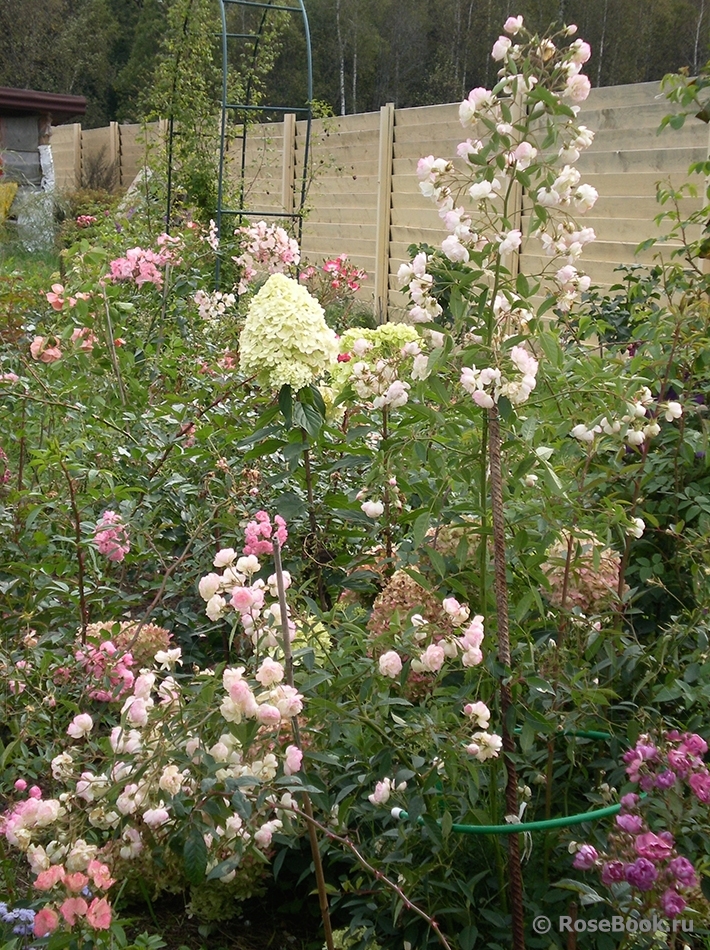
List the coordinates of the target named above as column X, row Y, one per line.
column 285, row 340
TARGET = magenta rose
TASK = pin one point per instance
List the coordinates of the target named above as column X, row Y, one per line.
column 694, row 744
column 641, row 874
column 700, row 783
column 683, row 871
column 653, row 846
column 586, row 856
column 672, row 903
column 613, row 872
column 630, row 823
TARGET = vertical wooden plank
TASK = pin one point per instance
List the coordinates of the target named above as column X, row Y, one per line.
column 163, row 133
column 44, row 128
column 121, row 177
column 384, row 206
column 114, row 149
column 77, row 155
column 289, row 162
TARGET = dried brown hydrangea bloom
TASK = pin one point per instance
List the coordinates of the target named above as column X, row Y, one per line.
column 592, row 579
column 402, row 597
column 446, row 538
column 151, row 639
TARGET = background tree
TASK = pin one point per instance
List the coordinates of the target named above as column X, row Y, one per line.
column 365, row 52
column 147, row 23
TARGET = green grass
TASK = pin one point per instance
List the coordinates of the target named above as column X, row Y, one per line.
column 14, row 257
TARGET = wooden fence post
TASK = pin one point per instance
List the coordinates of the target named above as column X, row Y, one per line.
column 384, row 206
column 289, row 162
column 76, row 136
column 114, row 150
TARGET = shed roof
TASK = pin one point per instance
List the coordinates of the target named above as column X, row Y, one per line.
column 18, row 102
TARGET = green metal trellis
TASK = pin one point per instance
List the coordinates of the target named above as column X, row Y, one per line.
column 248, row 108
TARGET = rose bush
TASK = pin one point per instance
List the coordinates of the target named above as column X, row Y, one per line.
column 458, row 641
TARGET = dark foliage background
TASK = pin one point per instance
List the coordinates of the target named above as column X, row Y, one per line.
column 365, row 52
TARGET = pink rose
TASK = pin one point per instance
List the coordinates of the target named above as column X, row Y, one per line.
column 85, row 338
column 679, row 762
column 382, row 792
column 111, row 536
column 42, row 351
column 294, row 758
column 630, row 823
column 288, row 701
column 262, row 837
column 479, row 712
column 513, row 25
column 578, row 88
column 55, row 296
column 241, row 695
column 580, row 51
column 46, row 922
column 700, row 783
column 154, row 817
column 242, row 599
column 524, row 154
column 672, row 903
column 268, row 715
column 76, row 882
column 72, row 908
column 585, row 858
column 432, row 659
column 473, row 634
column 652, row 847
column 472, row 656
column 270, row 672
column 99, row 914
column 100, row 875
column 694, row 745
column 46, row 880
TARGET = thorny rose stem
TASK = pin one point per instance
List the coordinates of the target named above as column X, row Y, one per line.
column 515, row 886
column 307, row 806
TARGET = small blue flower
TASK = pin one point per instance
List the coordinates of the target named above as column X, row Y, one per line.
column 21, row 917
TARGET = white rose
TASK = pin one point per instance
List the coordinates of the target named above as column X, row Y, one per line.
column 248, row 565
column 209, row 585
column 224, row 557
column 80, row 726
column 216, row 607
column 390, row 664
column 636, row 528
column 373, row 509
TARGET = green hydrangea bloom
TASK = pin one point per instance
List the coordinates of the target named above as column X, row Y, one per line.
column 285, row 340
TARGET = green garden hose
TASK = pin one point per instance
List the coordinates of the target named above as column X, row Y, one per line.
column 543, row 825
column 520, row 827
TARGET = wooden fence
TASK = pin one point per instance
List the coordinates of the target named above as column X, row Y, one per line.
column 364, row 200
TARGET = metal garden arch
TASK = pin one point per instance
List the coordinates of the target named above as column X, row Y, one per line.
column 249, row 108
